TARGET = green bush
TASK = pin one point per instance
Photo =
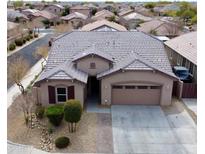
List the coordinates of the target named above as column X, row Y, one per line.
column 24, row 40
column 40, row 110
column 55, row 114
column 62, row 142
column 36, row 35
column 27, row 38
column 19, row 42
column 12, row 46
column 31, row 36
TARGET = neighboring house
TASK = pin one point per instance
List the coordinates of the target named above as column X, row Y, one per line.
column 160, row 28
column 76, row 19
column 136, row 16
column 38, row 17
column 125, row 12
column 182, row 51
column 142, row 10
column 29, row 12
column 56, row 9
column 103, row 25
column 115, row 67
column 103, row 14
column 16, row 16
column 81, row 9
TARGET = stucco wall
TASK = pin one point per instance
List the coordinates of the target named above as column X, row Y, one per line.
column 54, row 10
column 43, row 90
column 137, row 77
column 84, row 65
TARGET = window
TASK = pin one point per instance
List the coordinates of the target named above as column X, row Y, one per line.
column 92, row 66
column 129, row 87
column 61, row 94
column 117, row 87
column 154, row 87
column 142, row 87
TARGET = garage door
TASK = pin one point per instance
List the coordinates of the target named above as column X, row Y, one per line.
column 131, row 94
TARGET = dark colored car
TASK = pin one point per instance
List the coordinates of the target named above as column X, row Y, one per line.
column 182, row 73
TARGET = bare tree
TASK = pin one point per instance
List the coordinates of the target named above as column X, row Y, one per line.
column 27, row 103
column 42, row 51
column 62, row 28
column 17, row 70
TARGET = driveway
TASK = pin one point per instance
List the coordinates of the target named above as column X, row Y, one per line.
column 151, row 129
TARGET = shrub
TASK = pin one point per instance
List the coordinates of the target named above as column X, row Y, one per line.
column 24, row 40
column 30, row 32
column 36, row 35
column 62, row 142
column 72, row 113
column 19, row 42
column 31, row 36
column 55, row 114
column 40, row 110
column 58, row 23
column 12, row 46
column 27, row 38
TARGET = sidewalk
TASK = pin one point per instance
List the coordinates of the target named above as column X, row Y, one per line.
column 191, row 103
column 19, row 48
column 14, row 90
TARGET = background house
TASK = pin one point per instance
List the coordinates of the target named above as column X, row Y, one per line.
column 81, row 9
column 103, row 25
column 56, row 9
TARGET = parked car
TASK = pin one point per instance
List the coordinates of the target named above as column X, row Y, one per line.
column 182, row 73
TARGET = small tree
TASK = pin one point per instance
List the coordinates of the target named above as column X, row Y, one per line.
column 27, row 103
column 72, row 113
column 43, row 53
column 16, row 71
column 93, row 11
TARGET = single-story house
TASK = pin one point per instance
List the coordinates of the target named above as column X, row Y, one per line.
column 81, row 9
column 56, row 9
column 116, row 67
column 160, row 28
column 182, row 51
column 136, row 16
column 103, row 14
column 16, row 16
column 75, row 16
column 103, row 25
column 30, row 13
column 125, row 12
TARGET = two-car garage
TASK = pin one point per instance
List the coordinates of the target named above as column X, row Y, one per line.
column 136, row 94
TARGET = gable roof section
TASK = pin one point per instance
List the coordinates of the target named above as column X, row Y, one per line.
column 185, row 45
column 100, row 23
column 135, row 15
column 92, row 51
column 80, row 7
column 76, row 15
column 134, row 62
column 125, row 12
column 64, row 71
column 149, row 51
column 103, row 14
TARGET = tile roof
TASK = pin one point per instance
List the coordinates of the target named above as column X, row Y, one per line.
column 75, row 15
column 100, row 23
column 45, row 14
column 165, row 28
column 58, row 5
column 150, row 52
column 103, row 14
column 80, row 7
column 136, row 15
column 125, row 12
column 12, row 14
column 185, row 45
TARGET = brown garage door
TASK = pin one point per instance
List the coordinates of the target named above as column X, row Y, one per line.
column 130, row 94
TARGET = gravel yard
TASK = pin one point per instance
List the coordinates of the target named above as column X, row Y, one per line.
column 93, row 135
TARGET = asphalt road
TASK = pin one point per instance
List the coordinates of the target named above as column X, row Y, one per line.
column 28, row 53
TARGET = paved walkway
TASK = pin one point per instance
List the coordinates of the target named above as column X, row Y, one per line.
column 14, row 91
column 191, row 104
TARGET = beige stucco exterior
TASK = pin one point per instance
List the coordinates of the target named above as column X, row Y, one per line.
column 43, row 90
column 84, row 65
column 54, row 9
column 142, row 77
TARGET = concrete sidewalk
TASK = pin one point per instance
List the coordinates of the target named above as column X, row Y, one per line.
column 14, row 91
column 191, row 103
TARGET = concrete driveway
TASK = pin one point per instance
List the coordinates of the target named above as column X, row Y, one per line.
column 149, row 129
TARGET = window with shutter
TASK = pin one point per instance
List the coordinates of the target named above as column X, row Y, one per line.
column 51, row 95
